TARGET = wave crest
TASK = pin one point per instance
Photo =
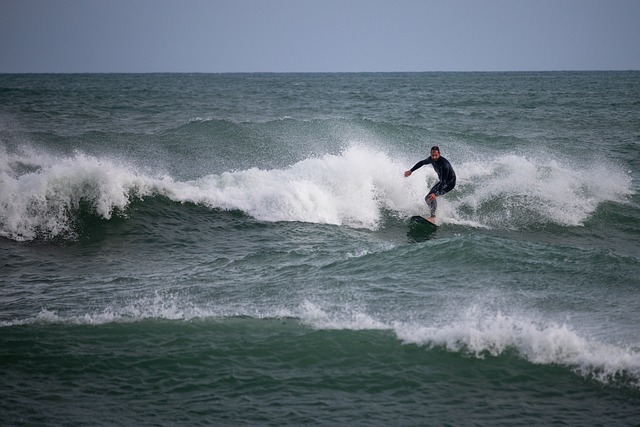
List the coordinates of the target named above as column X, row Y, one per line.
column 41, row 194
column 546, row 343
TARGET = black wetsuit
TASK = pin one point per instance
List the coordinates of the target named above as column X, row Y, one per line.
column 446, row 176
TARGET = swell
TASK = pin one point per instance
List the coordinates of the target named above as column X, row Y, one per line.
column 476, row 333
column 243, row 369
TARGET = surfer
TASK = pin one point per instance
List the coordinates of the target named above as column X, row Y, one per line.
column 446, row 176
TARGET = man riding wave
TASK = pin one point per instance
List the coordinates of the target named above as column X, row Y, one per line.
column 446, row 176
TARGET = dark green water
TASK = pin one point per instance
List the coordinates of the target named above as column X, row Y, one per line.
column 235, row 250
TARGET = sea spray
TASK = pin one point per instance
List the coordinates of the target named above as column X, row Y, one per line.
column 517, row 191
column 40, row 199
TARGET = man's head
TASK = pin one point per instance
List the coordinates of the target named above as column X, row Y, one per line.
column 435, row 152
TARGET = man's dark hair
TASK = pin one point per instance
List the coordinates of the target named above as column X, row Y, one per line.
column 436, row 148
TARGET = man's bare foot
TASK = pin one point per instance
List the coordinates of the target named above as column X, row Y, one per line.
column 432, row 219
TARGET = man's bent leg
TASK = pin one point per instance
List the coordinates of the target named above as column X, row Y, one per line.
column 433, row 205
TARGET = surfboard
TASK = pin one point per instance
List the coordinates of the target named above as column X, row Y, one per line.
column 422, row 222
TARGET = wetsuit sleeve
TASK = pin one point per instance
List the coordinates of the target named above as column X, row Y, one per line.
column 421, row 163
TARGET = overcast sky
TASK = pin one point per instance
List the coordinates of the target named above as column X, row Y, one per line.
column 318, row 35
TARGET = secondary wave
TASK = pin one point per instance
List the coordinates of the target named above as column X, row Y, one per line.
column 477, row 331
column 41, row 194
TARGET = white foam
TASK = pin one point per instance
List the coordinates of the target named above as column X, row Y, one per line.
column 314, row 315
column 350, row 189
column 529, row 190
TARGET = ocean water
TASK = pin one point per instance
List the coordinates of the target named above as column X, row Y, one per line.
column 235, row 249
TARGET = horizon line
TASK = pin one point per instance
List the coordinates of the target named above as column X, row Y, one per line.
column 324, row 72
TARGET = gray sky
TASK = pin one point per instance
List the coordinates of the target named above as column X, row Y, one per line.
column 318, row 35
